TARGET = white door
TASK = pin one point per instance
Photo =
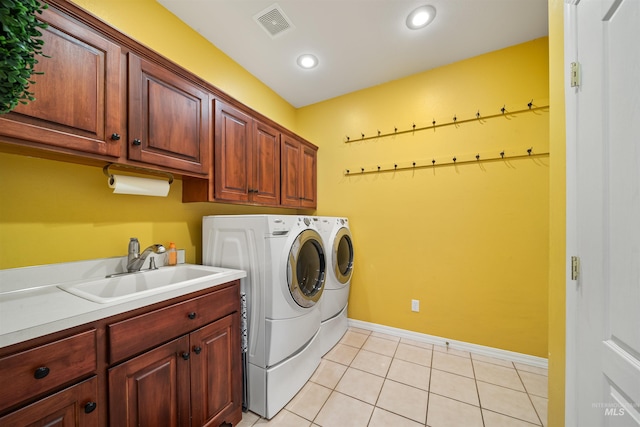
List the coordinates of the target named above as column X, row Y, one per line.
column 603, row 213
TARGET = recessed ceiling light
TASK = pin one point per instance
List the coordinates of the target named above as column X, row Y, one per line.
column 421, row 17
column 307, row 61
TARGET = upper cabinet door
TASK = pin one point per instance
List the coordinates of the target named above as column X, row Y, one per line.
column 299, row 173
column 265, row 183
column 77, row 104
column 308, row 177
column 232, row 158
column 168, row 118
column 290, row 179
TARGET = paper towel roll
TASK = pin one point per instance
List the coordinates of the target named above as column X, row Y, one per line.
column 124, row 184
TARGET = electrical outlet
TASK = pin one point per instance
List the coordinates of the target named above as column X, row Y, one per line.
column 415, row 305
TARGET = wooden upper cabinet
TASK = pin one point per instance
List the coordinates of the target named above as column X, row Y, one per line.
column 298, row 173
column 246, row 158
column 265, row 187
column 77, row 104
column 168, row 118
column 309, row 177
column 232, row 158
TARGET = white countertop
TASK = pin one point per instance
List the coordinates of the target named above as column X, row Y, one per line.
column 31, row 304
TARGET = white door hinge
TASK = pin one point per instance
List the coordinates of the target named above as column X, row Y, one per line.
column 575, row 267
column 575, row 74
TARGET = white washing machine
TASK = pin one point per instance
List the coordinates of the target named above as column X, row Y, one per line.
column 336, row 236
column 284, row 258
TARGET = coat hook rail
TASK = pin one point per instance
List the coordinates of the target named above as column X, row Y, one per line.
column 454, row 121
column 453, row 160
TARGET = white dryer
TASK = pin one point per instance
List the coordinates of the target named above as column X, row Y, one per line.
column 336, row 236
column 284, row 258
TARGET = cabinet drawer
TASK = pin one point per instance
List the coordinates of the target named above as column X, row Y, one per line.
column 41, row 369
column 139, row 333
column 73, row 406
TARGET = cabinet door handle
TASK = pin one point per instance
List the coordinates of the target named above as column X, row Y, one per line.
column 185, row 355
column 115, row 136
column 192, row 315
column 90, row 407
column 41, row 372
column 197, row 349
column 137, row 142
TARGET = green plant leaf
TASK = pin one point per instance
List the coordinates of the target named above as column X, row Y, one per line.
column 19, row 43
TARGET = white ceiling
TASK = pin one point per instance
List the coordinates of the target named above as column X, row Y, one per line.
column 359, row 43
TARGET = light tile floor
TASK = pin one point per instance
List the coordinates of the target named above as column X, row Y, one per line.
column 372, row 379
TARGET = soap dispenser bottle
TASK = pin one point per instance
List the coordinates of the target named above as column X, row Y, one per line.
column 172, row 254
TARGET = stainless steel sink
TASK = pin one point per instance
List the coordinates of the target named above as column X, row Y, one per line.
column 111, row 289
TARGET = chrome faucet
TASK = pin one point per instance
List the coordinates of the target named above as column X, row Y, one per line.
column 135, row 259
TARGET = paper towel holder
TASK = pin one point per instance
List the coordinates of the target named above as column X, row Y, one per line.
column 105, row 170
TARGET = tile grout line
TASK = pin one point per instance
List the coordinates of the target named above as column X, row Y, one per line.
column 333, row 390
column 426, row 416
column 384, row 379
column 475, row 381
column 530, row 400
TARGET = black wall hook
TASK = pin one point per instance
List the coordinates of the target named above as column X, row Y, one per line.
column 530, row 104
column 378, row 132
column 433, row 122
column 362, row 135
column 504, row 108
column 348, row 138
column 454, row 160
column 455, row 118
column 478, row 156
column 478, row 114
column 433, row 162
column 529, row 150
column 502, row 154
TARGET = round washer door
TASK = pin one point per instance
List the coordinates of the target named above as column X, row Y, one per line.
column 343, row 255
column 306, row 268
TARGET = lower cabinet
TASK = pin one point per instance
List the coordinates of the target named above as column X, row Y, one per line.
column 188, row 381
column 176, row 363
column 216, row 394
column 72, row 407
column 152, row 389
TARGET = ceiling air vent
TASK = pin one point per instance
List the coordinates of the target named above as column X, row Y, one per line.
column 274, row 21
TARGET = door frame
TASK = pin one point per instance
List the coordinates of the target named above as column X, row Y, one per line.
column 571, row 237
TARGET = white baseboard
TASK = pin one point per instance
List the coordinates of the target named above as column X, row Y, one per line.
column 458, row 345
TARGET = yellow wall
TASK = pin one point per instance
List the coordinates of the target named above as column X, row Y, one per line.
column 557, row 229
column 58, row 212
column 469, row 241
